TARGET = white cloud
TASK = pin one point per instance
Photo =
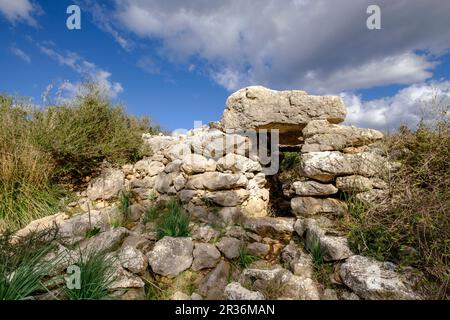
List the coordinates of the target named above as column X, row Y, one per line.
column 149, row 65
column 20, row 11
column 105, row 22
column 20, row 54
column 306, row 44
column 86, row 69
column 408, row 106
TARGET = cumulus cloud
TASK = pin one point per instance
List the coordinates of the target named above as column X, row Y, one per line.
column 20, row 11
column 317, row 45
column 84, row 68
column 408, row 106
column 20, row 54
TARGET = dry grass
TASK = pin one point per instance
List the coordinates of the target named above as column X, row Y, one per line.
column 412, row 226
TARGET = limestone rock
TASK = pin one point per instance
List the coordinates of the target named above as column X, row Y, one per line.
column 372, row 280
column 313, row 188
column 195, row 163
column 216, row 181
column 289, row 111
column 171, row 256
column 354, row 184
column 229, row 247
column 309, row 206
column 258, row 249
column 105, row 241
column 107, row 186
column 325, row 166
column 149, row 167
column 205, row 256
column 237, row 163
column 132, row 259
column 122, row 278
column 333, row 246
column 212, row 286
column 235, row 291
column 276, row 228
column 228, row 198
column 299, row 262
column 180, row 296
column 320, row 135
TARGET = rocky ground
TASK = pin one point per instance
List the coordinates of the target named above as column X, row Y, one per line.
column 226, row 189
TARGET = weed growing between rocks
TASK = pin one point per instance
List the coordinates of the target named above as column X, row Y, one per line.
column 245, row 259
column 23, row 267
column 170, row 219
column 96, row 274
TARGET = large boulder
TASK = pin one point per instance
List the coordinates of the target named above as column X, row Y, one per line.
column 230, row 247
column 171, row 256
column 320, row 135
column 107, row 185
column 373, row 280
column 195, row 163
column 326, row 166
column 289, row 111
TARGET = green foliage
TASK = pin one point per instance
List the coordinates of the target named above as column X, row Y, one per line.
column 96, row 274
column 92, row 232
column 290, row 160
column 245, row 259
column 316, row 252
column 125, row 199
column 84, row 132
column 170, row 218
column 22, row 267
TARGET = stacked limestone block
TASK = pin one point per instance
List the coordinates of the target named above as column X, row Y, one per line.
column 207, row 169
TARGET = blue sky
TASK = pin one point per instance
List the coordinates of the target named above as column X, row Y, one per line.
column 178, row 61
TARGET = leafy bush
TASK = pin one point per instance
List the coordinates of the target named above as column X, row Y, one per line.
column 170, row 217
column 96, row 274
column 412, row 226
column 22, row 267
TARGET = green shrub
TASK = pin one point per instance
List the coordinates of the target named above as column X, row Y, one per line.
column 22, row 267
column 170, row 218
column 96, row 274
column 290, row 160
column 88, row 130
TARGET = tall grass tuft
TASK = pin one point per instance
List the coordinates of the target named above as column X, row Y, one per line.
column 96, row 274
column 170, row 218
column 23, row 267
